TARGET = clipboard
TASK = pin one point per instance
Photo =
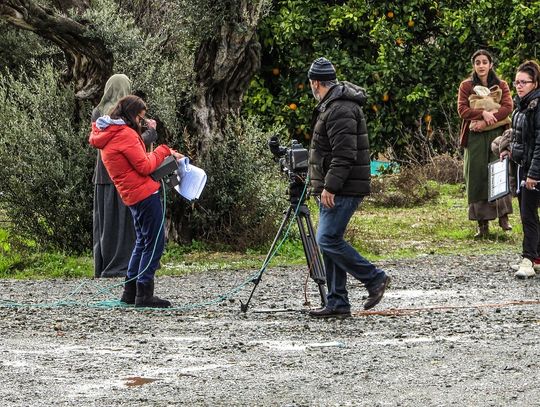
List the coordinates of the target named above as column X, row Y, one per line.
column 498, row 179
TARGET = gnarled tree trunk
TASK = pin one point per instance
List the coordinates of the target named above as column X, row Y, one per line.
column 224, row 66
column 89, row 63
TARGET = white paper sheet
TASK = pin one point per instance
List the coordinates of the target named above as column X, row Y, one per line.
column 191, row 180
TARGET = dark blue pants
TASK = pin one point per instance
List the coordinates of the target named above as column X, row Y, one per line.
column 150, row 238
column 339, row 256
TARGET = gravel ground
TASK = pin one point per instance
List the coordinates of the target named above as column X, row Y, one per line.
column 452, row 330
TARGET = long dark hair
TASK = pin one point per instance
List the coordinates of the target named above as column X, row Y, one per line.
column 492, row 78
column 127, row 109
column 532, row 69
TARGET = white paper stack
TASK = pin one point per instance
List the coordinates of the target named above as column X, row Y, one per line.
column 191, row 180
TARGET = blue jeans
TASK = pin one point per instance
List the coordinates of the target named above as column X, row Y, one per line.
column 339, row 256
column 150, row 239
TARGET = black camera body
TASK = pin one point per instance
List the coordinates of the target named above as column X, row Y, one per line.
column 167, row 172
column 293, row 162
column 291, row 159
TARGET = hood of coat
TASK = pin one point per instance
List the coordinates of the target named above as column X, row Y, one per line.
column 525, row 103
column 104, row 130
column 343, row 91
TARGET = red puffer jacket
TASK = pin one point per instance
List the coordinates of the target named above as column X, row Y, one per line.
column 127, row 162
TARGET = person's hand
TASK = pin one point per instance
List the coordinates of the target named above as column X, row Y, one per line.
column 327, row 199
column 151, row 123
column 489, row 118
column 504, row 154
column 530, row 183
column 176, row 154
column 478, row 125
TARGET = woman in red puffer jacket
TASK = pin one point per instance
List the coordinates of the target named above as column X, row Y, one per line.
column 124, row 155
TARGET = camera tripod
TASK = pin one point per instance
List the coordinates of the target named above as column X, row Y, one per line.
column 307, row 234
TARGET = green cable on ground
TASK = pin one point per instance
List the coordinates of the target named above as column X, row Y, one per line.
column 109, row 304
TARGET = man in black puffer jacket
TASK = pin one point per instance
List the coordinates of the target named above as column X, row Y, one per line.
column 339, row 173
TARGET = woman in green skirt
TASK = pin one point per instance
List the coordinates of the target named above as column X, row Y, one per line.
column 484, row 104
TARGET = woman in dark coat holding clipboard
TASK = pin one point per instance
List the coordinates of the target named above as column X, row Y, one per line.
column 479, row 127
column 525, row 152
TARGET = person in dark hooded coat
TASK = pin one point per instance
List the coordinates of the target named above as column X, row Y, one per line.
column 339, row 174
column 525, row 152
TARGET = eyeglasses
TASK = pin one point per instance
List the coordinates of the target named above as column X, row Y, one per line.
column 521, row 83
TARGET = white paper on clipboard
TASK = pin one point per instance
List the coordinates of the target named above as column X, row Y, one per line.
column 498, row 181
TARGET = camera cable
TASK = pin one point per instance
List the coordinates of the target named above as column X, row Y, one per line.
column 69, row 300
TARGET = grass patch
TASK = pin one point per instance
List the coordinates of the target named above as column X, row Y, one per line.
column 440, row 226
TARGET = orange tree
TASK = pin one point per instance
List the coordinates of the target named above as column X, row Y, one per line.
column 410, row 56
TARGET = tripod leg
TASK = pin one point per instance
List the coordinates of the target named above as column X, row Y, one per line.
column 269, row 255
column 311, row 250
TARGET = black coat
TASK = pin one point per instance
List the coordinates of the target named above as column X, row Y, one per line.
column 339, row 158
column 525, row 145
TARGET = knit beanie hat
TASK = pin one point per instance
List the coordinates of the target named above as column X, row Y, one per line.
column 322, row 70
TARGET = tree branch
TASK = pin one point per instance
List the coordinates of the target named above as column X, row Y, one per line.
column 89, row 63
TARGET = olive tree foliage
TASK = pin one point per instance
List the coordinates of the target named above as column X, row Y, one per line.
column 193, row 62
column 44, row 180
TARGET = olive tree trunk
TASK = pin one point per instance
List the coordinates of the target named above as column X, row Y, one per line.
column 89, row 63
column 224, row 66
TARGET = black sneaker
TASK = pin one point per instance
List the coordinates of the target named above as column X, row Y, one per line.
column 376, row 293
column 330, row 313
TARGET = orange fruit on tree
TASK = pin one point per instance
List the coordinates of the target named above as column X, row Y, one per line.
column 375, row 108
column 293, row 106
column 275, row 71
column 399, row 41
column 427, row 118
column 410, row 23
column 390, row 14
column 385, row 97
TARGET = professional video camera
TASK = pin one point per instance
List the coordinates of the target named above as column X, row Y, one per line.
column 292, row 159
column 293, row 162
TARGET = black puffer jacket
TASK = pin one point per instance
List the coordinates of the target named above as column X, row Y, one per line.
column 525, row 145
column 339, row 153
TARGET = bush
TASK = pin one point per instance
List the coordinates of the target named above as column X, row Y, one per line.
column 164, row 75
column 45, row 176
column 445, row 169
column 244, row 196
column 409, row 187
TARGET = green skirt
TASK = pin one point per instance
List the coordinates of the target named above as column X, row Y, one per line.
column 477, row 156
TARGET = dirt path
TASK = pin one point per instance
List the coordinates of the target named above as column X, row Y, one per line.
column 451, row 331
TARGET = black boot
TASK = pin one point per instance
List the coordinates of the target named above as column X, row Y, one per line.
column 504, row 223
column 483, row 229
column 145, row 297
column 130, row 290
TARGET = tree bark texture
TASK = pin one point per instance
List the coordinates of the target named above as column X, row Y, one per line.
column 224, row 66
column 89, row 63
